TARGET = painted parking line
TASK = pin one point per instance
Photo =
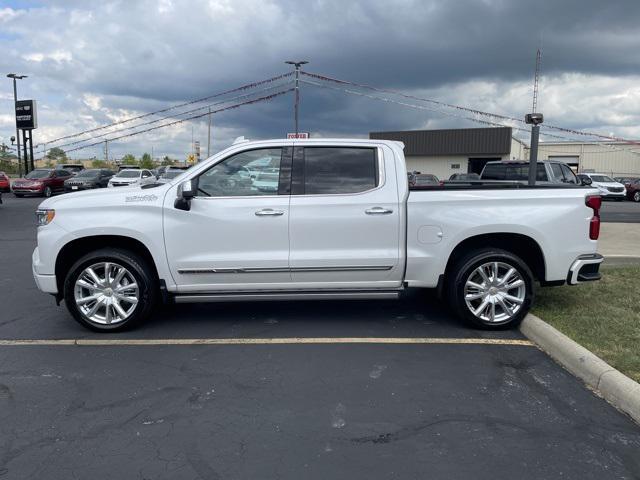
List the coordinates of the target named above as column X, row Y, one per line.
column 267, row 341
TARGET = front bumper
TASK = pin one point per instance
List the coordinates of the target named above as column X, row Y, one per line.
column 45, row 283
column 585, row 269
column 75, row 188
column 33, row 189
column 609, row 195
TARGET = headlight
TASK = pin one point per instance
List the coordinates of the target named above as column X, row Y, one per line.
column 44, row 216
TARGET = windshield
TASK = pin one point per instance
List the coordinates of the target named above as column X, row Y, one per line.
column 602, row 178
column 88, row 174
column 170, row 174
column 38, row 174
column 129, row 174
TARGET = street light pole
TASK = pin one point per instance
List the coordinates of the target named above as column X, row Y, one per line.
column 15, row 100
column 297, row 87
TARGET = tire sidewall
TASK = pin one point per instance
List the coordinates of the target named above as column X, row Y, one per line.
column 47, row 192
column 636, row 196
column 139, row 269
column 465, row 268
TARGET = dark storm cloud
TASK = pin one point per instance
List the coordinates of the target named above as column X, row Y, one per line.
column 137, row 56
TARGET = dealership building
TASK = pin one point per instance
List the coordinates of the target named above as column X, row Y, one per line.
column 445, row 152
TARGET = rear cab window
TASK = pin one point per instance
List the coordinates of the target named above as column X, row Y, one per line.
column 335, row 170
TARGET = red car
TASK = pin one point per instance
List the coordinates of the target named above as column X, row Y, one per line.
column 41, row 181
column 633, row 189
column 4, row 182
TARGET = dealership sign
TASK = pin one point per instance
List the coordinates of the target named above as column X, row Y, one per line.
column 26, row 117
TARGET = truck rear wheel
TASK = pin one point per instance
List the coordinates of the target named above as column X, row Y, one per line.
column 491, row 289
column 110, row 289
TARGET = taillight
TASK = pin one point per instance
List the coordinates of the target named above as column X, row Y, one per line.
column 594, row 202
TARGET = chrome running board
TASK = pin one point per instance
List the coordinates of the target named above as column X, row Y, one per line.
column 300, row 295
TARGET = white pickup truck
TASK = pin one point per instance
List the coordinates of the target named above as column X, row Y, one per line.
column 312, row 219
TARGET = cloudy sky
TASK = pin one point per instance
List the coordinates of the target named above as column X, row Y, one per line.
column 91, row 63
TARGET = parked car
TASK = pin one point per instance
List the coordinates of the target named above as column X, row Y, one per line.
column 129, row 178
column 128, row 167
column 88, row 179
column 625, row 180
column 423, row 179
column 464, row 177
column 341, row 224
column 74, row 168
column 609, row 189
column 170, row 173
column 548, row 172
column 41, row 181
column 633, row 189
column 5, row 183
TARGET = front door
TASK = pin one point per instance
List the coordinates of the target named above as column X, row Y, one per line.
column 345, row 218
column 236, row 234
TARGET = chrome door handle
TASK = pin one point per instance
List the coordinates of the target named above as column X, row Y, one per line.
column 269, row 212
column 378, row 211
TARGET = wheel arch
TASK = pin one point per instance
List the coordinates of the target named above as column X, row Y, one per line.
column 75, row 249
column 518, row 244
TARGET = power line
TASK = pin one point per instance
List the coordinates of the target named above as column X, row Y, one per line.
column 191, row 102
column 230, row 107
column 77, row 142
column 466, row 109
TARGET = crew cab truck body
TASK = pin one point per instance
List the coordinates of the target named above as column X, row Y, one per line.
column 339, row 221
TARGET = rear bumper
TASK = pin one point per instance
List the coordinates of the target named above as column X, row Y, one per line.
column 585, row 269
column 45, row 283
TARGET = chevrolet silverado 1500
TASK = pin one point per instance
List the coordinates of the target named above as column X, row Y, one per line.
column 312, row 219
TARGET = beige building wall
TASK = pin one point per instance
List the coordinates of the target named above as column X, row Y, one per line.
column 614, row 159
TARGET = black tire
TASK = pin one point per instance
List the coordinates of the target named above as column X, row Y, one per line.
column 141, row 271
column 47, row 192
column 636, row 197
column 465, row 269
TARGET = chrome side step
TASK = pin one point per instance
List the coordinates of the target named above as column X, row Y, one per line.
column 301, row 295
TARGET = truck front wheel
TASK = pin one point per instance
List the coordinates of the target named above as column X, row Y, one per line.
column 110, row 289
column 491, row 289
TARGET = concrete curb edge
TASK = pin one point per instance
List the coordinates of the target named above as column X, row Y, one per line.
column 615, row 387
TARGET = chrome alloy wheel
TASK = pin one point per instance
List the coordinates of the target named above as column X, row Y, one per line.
column 106, row 293
column 494, row 292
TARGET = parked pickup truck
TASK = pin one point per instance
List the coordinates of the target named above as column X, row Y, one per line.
column 338, row 221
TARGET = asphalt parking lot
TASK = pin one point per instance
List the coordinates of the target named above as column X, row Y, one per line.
column 288, row 410
column 620, row 212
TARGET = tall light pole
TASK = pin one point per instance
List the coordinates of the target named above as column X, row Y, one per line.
column 297, row 87
column 15, row 77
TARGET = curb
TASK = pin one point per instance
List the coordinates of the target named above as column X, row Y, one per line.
column 615, row 387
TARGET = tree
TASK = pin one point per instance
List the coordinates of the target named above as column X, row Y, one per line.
column 146, row 161
column 99, row 164
column 166, row 161
column 129, row 159
column 57, row 154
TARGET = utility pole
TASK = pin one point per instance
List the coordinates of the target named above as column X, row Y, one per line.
column 534, row 119
column 106, row 151
column 209, row 136
column 15, row 100
column 297, row 87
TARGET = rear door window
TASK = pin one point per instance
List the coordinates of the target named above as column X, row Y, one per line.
column 556, row 170
column 339, row 170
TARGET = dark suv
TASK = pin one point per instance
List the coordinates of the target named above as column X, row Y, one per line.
column 87, row 179
column 518, row 170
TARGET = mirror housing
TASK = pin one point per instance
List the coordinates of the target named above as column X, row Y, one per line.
column 186, row 191
column 586, row 181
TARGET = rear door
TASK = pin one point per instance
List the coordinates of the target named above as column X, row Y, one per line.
column 344, row 218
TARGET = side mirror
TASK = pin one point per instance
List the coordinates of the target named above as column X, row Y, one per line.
column 586, row 181
column 186, row 191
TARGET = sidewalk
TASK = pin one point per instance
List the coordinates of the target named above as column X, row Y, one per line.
column 620, row 242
